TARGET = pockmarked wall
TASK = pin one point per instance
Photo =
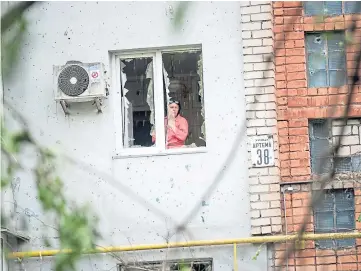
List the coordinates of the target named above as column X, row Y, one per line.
column 174, row 184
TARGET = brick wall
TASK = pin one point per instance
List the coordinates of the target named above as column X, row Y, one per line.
column 309, row 257
column 261, row 112
column 296, row 105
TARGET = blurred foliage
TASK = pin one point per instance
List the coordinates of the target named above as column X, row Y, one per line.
column 76, row 226
column 180, row 13
column 255, row 256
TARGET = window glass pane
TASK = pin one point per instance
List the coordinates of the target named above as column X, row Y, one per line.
column 333, row 7
column 345, row 220
column 345, row 243
column 344, row 200
column 319, row 129
column 315, row 42
column 318, row 149
column 326, row 204
column 316, row 61
column 183, row 84
column 137, row 101
column 356, row 163
column 337, row 78
column 352, row 7
column 336, row 60
column 319, row 144
column 335, row 41
column 342, row 164
column 345, row 215
column 313, row 8
column 324, row 221
column 326, row 243
column 317, row 78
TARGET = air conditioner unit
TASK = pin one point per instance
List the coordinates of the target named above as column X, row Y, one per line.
column 79, row 82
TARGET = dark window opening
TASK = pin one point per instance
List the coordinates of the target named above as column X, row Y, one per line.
column 138, row 102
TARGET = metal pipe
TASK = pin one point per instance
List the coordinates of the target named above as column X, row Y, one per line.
column 246, row 240
column 286, row 224
column 296, row 182
column 235, row 261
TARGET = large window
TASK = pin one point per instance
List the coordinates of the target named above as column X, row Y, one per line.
column 316, row 8
column 335, row 213
column 162, row 100
column 326, row 59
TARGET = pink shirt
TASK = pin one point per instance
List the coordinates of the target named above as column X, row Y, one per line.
column 177, row 137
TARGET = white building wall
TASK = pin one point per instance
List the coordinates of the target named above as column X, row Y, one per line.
column 88, row 32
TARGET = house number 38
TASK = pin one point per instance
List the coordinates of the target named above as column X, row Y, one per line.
column 263, row 157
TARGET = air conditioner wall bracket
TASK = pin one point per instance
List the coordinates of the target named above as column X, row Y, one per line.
column 97, row 101
column 65, row 106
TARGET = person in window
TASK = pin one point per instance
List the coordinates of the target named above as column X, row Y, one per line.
column 176, row 127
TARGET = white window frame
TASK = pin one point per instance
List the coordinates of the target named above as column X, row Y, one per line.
column 160, row 147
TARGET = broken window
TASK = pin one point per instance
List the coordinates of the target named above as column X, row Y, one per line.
column 183, row 83
column 137, row 101
column 177, row 265
column 326, row 59
column 335, row 213
column 323, row 134
column 162, row 100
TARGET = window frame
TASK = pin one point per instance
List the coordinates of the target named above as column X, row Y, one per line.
column 159, row 149
column 308, row 51
column 335, row 211
column 167, row 264
column 330, row 138
column 343, row 9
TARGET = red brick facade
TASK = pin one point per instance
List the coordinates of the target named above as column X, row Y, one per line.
column 296, row 104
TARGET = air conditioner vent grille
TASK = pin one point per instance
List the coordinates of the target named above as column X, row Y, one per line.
column 73, row 80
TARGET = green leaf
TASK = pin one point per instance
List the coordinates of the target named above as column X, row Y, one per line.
column 359, row 218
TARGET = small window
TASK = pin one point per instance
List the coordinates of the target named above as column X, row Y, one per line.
column 323, row 8
column 335, row 213
column 162, row 100
column 323, row 134
column 331, row 8
column 326, row 59
column 177, row 265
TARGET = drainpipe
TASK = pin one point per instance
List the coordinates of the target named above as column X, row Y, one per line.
column 285, row 216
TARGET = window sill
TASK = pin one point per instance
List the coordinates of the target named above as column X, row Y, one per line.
column 156, row 152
